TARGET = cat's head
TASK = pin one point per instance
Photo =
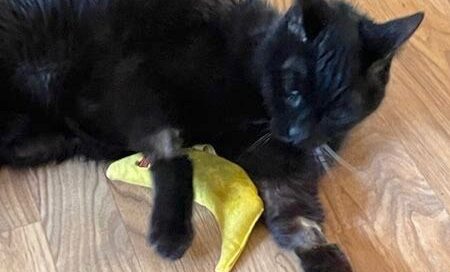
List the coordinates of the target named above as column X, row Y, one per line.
column 325, row 67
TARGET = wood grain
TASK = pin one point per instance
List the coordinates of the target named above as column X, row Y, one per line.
column 17, row 207
column 387, row 197
column 418, row 102
column 81, row 221
column 391, row 213
column 25, row 249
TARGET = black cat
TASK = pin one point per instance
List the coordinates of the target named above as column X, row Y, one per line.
column 105, row 78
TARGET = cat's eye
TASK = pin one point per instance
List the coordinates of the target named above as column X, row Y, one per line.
column 294, row 98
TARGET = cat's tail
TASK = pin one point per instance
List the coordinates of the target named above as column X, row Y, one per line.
column 324, row 258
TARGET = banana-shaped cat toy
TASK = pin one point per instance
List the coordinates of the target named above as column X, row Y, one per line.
column 220, row 185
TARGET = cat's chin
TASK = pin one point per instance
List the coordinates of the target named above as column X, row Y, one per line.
column 304, row 145
column 309, row 143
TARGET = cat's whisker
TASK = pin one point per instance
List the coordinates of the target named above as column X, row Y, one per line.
column 339, row 159
column 260, row 142
column 266, row 140
column 320, row 157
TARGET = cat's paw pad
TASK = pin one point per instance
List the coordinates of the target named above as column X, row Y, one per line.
column 171, row 243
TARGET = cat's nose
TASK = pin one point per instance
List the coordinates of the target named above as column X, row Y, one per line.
column 294, row 131
column 297, row 133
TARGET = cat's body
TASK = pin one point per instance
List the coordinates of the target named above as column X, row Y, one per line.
column 170, row 62
column 106, row 78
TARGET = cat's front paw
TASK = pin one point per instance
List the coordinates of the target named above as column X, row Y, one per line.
column 324, row 258
column 299, row 233
column 172, row 241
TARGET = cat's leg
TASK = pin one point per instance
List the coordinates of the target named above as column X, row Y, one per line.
column 38, row 150
column 170, row 228
column 295, row 223
column 294, row 215
column 287, row 181
column 27, row 142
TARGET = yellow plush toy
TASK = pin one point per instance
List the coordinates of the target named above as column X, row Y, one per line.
column 220, row 185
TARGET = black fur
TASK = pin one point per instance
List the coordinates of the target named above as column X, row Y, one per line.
column 104, row 78
column 171, row 218
column 324, row 258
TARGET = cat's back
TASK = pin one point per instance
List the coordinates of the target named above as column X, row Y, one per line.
column 100, row 48
column 32, row 29
column 41, row 41
column 178, row 38
column 186, row 38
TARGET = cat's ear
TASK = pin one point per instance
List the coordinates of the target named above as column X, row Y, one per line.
column 306, row 18
column 384, row 39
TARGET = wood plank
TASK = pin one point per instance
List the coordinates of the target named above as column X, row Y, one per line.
column 25, row 249
column 263, row 254
column 366, row 251
column 17, row 207
column 83, row 226
column 386, row 203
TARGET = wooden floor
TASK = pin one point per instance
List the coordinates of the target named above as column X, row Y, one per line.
column 391, row 214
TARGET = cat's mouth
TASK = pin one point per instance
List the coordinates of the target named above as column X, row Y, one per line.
column 310, row 143
column 303, row 140
column 296, row 134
